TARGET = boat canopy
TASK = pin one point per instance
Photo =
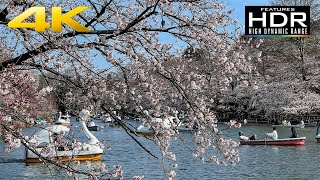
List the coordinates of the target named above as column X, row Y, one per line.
column 44, row 135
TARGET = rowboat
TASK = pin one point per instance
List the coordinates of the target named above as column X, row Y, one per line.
column 279, row 142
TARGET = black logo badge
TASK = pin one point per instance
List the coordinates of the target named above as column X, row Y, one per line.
column 277, row 21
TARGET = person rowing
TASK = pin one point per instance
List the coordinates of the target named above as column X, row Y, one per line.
column 273, row 135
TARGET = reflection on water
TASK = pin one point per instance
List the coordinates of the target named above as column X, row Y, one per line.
column 257, row 162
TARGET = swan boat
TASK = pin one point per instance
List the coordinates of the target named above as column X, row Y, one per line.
column 184, row 125
column 144, row 130
column 168, row 122
column 92, row 126
column 63, row 119
column 82, row 151
column 279, row 142
column 106, row 118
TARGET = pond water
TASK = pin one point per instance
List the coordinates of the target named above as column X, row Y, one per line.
column 256, row 162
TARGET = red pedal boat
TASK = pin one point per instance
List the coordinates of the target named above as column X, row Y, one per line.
column 279, row 142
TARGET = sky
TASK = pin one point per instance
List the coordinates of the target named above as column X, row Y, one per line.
column 239, row 7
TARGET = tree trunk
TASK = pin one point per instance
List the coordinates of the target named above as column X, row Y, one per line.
column 302, row 58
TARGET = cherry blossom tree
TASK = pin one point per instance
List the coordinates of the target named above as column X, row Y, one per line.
column 20, row 99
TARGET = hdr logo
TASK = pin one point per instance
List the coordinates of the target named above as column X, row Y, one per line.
column 40, row 24
column 277, row 21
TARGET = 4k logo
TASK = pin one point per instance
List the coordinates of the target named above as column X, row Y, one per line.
column 40, row 24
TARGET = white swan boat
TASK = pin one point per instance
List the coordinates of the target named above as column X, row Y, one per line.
column 63, row 119
column 185, row 125
column 168, row 122
column 106, row 118
column 47, row 148
column 144, row 129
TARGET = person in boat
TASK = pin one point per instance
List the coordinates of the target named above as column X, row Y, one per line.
column 273, row 135
column 294, row 133
column 284, row 122
column 243, row 137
